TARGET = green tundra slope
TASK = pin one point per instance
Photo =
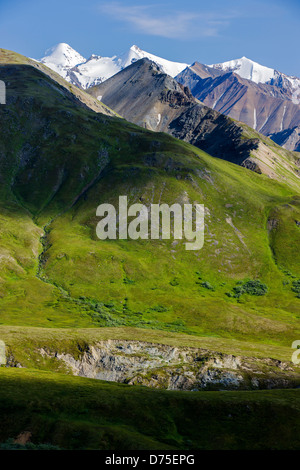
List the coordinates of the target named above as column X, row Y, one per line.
column 59, row 160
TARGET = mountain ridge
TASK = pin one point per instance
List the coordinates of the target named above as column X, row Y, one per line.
column 65, row 57
column 263, row 98
column 146, row 96
column 89, row 72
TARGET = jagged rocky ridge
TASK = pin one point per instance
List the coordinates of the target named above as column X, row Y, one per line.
column 143, row 94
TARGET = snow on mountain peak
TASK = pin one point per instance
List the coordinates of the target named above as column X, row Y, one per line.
column 250, row 70
column 72, row 66
column 61, row 58
column 247, row 68
column 135, row 48
column 85, row 73
column 168, row 67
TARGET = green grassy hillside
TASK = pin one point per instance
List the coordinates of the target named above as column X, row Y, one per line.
column 59, row 161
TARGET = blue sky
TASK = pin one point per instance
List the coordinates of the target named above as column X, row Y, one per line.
column 210, row 31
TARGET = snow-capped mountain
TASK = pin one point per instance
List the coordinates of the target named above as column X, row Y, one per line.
column 257, row 73
column 88, row 72
column 95, row 70
column 248, row 69
column 61, row 58
column 262, row 97
column 167, row 66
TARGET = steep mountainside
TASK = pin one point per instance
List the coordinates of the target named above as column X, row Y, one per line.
column 289, row 138
column 257, row 73
column 144, row 95
column 266, row 107
column 89, row 72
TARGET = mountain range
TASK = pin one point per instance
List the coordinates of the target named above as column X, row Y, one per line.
column 89, row 72
column 261, row 97
column 143, row 312
column 146, row 96
column 59, row 159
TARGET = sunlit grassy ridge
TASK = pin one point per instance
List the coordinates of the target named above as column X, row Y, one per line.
column 25, row 342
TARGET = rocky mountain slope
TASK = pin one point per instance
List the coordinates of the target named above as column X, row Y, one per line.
column 143, row 94
column 257, row 73
column 289, row 138
column 166, row 367
column 264, row 99
column 261, row 97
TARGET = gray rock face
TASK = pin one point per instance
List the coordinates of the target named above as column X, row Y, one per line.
column 289, row 138
column 268, row 108
column 172, row 368
column 144, row 95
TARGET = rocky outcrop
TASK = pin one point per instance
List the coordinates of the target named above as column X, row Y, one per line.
column 172, row 368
